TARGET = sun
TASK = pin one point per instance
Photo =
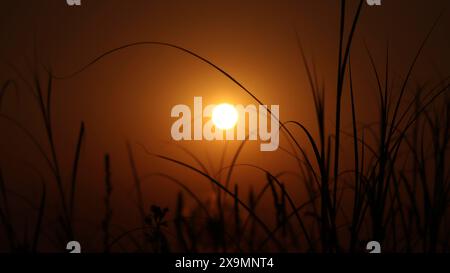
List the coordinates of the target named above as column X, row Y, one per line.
column 224, row 116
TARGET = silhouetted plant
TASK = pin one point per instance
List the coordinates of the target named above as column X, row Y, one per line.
column 157, row 223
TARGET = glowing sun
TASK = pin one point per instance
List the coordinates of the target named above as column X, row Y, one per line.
column 224, row 116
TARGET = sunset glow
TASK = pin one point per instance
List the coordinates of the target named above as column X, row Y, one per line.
column 225, row 136
column 224, row 116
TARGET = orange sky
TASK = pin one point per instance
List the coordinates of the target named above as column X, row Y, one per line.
column 128, row 95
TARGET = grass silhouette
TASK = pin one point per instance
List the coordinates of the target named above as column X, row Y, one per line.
column 400, row 201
